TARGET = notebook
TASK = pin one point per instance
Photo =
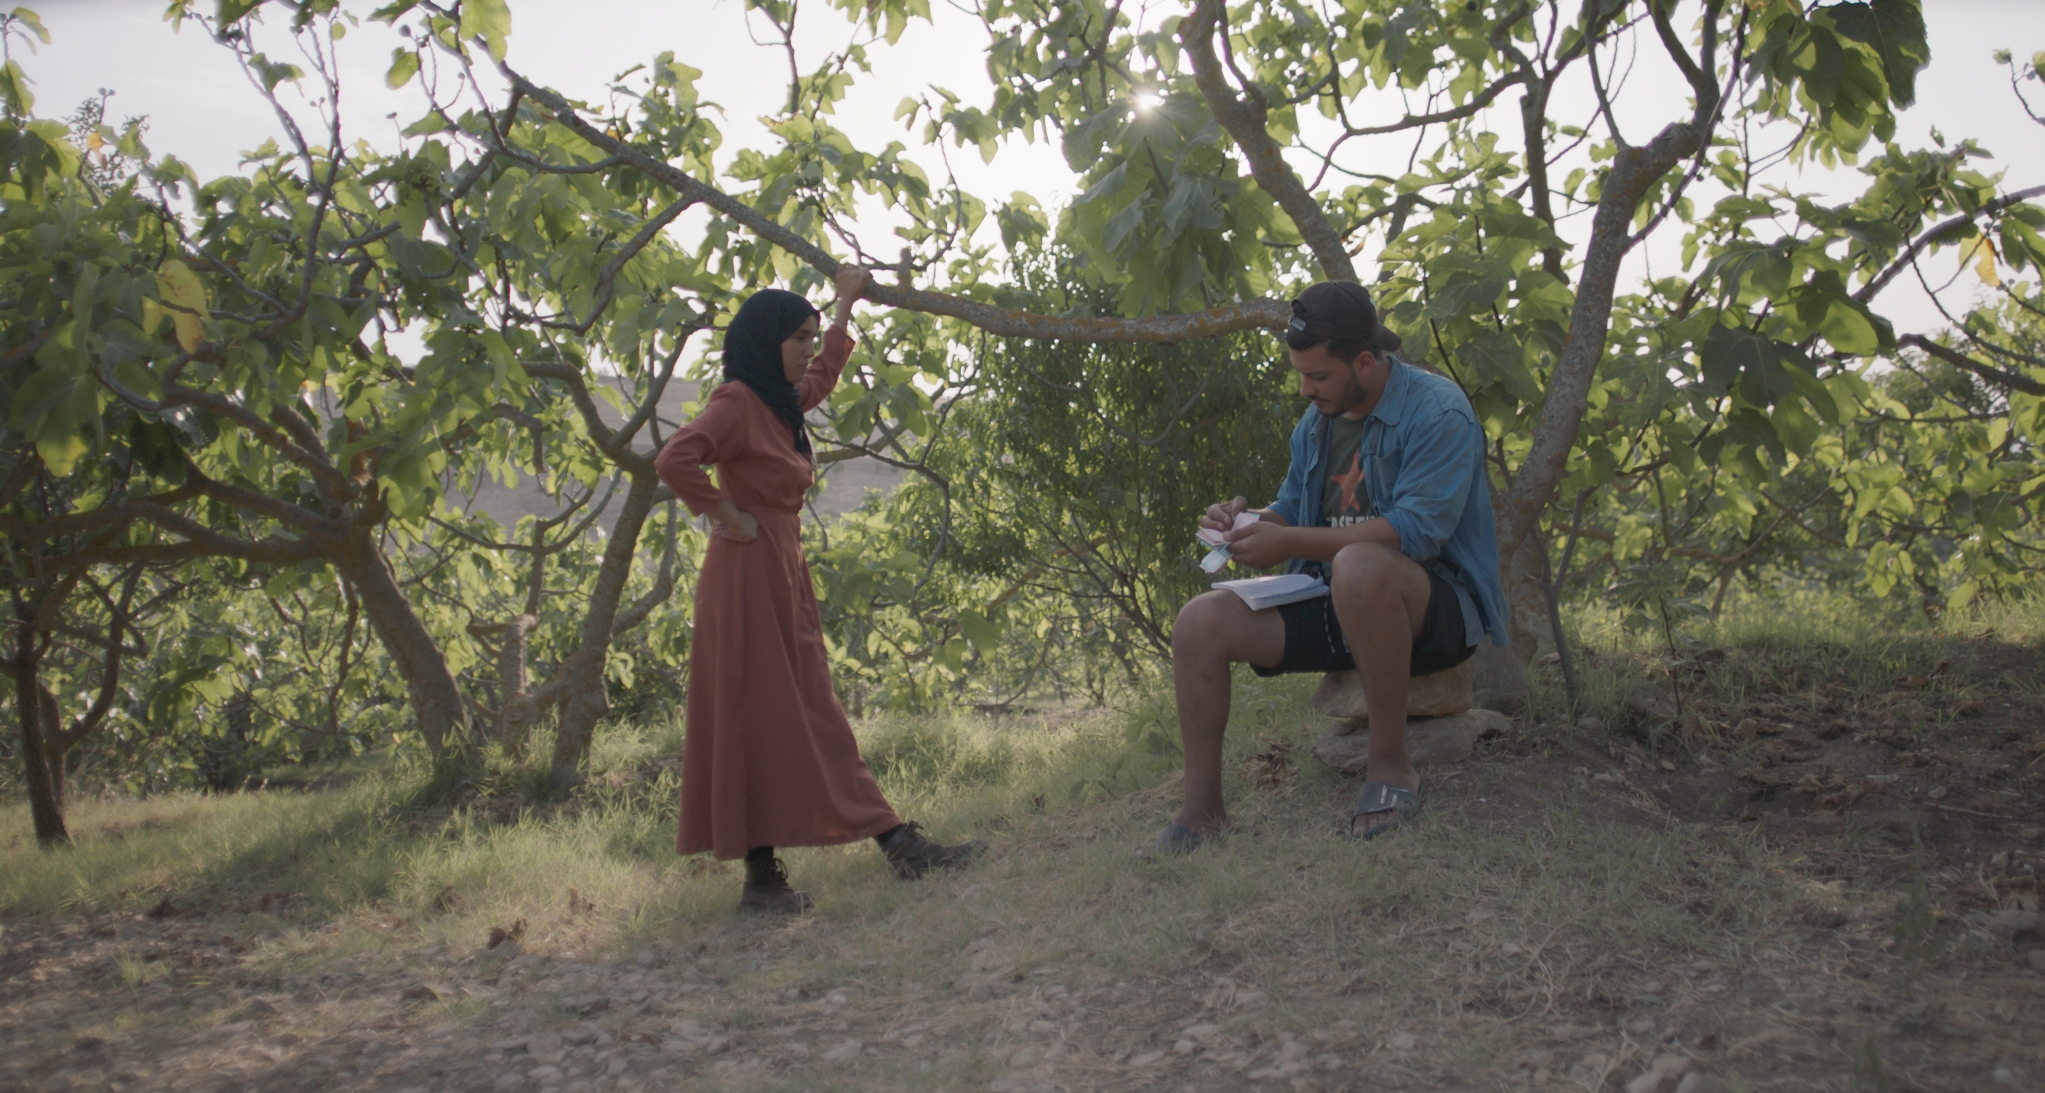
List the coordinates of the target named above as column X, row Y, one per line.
column 1276, row 591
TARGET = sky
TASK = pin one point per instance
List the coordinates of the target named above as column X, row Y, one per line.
column 202, row 110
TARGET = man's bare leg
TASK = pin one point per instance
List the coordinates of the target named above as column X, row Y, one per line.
column 1214, row 631
column 1380, row 597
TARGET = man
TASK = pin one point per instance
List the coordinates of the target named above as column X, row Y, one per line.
column 1386, row 499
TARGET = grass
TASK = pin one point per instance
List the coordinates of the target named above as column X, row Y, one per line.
column 1479, row 918
column 1065, row 802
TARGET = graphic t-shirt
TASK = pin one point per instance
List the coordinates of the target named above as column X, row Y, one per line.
column 1345, row 500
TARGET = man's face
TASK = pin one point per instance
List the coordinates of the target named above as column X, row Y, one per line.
column 1333, row 385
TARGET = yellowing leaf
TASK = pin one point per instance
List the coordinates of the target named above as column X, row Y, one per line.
column 1981, row 251
column 152, row 316
column 184, row 296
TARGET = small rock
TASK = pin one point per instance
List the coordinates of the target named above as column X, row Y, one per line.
column 2018, row 927
column 1590, row 724
column 544, row 1075
column 1029, row 1055
column 1148, row 1057
column 1185, row 1047
column 1661, row 1076
column 2031, row 832
column 1651, row 703
column 1640, row 1026
column 580, row 1036
column 510, row 1043
column 838, row 997
column 1694, row 1082
column 509, row 1081
column 1402, row 1041
column 545, row 1047
column 843, row 1053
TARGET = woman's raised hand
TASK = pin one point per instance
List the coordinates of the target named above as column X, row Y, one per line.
column 851, row 282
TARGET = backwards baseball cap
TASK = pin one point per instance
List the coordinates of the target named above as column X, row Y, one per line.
column 1340, row 311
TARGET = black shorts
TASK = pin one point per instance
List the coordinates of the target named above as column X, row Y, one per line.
column 1314, row 641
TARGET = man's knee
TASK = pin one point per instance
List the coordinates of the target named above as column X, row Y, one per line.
column 1367, row 567
column 1203, row 621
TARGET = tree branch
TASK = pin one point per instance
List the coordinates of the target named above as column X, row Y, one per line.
column 1245, row 123
column 1989, row 372
column 1006, row 322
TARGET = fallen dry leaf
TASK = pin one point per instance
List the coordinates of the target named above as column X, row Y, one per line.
column 1843, row 800
column 499, row 935
column 1270, row 768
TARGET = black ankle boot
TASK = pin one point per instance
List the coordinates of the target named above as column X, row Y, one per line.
column 913, row 855
column 767, row 889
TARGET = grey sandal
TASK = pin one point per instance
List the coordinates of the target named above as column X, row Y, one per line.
column 1175, row 841
column 1382, row 797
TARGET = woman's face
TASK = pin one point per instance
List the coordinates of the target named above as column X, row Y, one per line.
column 797, row 349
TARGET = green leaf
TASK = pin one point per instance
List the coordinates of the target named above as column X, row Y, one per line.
column 156, row 449
column 59, row 408
column 231, row 11
column 404, row 66
column 33, row 22
column 1471, row 290
column 1729, row 352
column 489, row 20
column 14, row 92
column 273, row 73
column 984, row 633
column 1493, row 356
column 1895, row 30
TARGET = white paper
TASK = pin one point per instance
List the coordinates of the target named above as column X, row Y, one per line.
column 1275, row 591
column 1218, row 556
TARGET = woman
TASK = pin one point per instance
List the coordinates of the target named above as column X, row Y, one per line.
column 770, row 759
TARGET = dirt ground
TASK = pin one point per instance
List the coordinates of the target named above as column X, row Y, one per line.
column 1909, row 819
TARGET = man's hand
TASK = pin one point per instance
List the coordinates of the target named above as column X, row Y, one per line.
column 1260, row 545
column 1222, row 517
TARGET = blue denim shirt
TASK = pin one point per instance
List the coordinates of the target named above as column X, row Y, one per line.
column 1423, row 460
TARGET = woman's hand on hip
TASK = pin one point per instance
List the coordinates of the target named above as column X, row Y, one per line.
column 728, row 521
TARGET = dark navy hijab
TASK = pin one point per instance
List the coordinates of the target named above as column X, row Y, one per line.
column 752, row 353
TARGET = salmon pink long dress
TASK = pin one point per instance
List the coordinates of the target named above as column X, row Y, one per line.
column 769, row 759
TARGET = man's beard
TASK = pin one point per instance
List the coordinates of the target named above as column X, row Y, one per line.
column 1352, row 396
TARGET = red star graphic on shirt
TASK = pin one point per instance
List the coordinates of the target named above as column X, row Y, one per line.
column 1350, row 481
